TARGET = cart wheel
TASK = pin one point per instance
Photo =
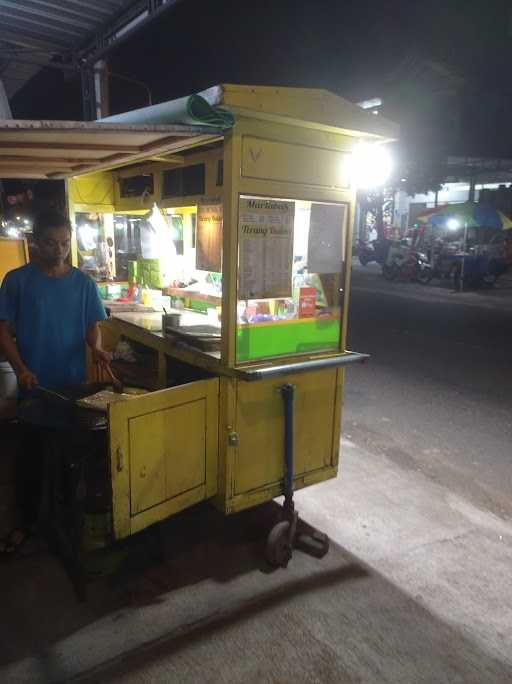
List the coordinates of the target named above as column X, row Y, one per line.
column 278, row 551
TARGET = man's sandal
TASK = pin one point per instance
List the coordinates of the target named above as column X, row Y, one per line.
column 14, row 542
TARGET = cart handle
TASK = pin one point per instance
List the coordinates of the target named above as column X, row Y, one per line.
column 302, row 367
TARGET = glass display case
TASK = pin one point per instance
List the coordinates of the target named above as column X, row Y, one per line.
column 291, row 256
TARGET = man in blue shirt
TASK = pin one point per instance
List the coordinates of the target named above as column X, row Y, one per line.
column 49, row 312
column 54, row 310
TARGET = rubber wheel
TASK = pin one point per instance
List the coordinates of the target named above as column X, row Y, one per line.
column 424, row 276
column 278, row 551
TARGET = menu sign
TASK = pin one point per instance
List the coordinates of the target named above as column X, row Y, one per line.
column 265, row 238
column 209, row 237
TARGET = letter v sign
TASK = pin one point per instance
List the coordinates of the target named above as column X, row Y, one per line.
column 255, row 155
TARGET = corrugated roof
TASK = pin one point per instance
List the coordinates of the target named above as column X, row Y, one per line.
column 36, row 30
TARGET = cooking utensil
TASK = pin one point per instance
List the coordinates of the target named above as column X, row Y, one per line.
column 116, row 383
column 52, row 393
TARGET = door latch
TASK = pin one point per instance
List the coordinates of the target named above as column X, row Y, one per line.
column 119, row 459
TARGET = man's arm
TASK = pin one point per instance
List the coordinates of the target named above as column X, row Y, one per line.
column 93, row 339
column 9, row 348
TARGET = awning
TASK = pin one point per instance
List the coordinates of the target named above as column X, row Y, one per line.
column 60, row 149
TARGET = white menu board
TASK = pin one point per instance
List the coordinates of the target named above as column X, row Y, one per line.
column 265, row 238
column 326, row 237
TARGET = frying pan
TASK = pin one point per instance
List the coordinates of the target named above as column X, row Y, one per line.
column 58, row 410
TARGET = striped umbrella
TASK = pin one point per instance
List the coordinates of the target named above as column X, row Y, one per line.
column 469, row 213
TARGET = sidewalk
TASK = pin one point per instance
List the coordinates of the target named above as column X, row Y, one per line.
column 416, row 588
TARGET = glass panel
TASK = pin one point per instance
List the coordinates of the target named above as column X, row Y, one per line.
column 291, row 259
column 169, row 259
column 93, row 249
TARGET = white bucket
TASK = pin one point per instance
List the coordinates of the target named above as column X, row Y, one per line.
column 8, row 381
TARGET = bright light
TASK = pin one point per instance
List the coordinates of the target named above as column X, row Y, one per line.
column 88, row 235
column 12, row 232
column 452, row 224
column 371, row 165
column 370, row 104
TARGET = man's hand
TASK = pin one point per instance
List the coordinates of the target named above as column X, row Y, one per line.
column 102, row 358
column 27, row 379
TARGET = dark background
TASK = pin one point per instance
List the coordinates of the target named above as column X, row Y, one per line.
column 442, row 67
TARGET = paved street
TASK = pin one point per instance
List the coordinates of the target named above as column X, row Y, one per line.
column 417, row 584
column 437, row 394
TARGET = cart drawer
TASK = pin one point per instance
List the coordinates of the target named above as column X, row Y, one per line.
column 164, row 452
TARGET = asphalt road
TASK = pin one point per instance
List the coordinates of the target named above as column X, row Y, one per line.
column 437, row 393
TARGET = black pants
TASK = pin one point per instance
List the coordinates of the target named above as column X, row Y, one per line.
column 29, row 473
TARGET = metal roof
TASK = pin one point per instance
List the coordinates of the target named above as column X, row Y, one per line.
column 33, row 31
column 60, row 149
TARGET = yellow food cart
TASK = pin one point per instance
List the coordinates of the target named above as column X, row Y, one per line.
column 235, row 238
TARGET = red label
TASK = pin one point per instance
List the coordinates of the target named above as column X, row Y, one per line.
column 307, row 302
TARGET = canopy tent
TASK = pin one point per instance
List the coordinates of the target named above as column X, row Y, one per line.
column 469, row 214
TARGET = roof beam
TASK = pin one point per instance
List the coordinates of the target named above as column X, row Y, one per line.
column 124, row 26
column 67, row 161
column 93, row 147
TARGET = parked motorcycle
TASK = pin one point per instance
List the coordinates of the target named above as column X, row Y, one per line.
column 413, row 266
column 373, row 250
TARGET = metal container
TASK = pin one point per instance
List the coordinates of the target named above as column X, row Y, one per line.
column 171, row 320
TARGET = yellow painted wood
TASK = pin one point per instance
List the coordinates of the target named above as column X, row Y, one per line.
column 294, row 163
column 232, row 162
column 168, row 508
column 307, row 107
column 227, row 427
column 338, row 413
column 167, row 454
column 259, row 496
column 210, row 158
column 13, row 254
column 93, row 193
column 164, row 451
column 259, row 460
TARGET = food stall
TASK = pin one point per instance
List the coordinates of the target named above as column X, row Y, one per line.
column 223, row 255
column 465, row 242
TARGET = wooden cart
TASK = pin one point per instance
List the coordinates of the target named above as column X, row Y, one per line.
column 262, row 215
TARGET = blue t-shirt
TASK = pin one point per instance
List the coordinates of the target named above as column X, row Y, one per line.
column 51, row 317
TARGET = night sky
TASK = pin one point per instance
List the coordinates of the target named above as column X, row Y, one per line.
column 355, row 48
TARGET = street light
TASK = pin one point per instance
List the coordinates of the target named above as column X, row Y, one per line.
column 371, row 165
